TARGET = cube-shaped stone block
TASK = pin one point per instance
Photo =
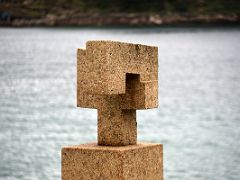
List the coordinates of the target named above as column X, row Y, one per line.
column 143, row 161
column 105, row 67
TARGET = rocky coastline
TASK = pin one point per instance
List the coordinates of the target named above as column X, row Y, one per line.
column 119, row 19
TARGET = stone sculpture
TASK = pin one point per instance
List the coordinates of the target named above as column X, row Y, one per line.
column 115, row 78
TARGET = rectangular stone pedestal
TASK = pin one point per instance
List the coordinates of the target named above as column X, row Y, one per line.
column 143, row 161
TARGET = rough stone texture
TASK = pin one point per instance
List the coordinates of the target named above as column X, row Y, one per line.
column 117, row 79
column 102, row 69
column 134, row 162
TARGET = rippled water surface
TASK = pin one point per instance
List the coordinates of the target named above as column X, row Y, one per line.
column 198, row 120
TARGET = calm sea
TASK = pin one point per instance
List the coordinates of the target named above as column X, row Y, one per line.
column 198, row 119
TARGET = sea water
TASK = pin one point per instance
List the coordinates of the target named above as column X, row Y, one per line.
column 198, row 119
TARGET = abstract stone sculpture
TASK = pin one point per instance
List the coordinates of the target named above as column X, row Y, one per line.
column 116, row 79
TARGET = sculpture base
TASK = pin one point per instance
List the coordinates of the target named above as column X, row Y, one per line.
column 90, row 161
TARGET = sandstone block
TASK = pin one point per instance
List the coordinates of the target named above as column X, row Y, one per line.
column 104, row 69
column 142, row 161
column 117, row 79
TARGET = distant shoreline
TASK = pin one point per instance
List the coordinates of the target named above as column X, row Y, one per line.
column 121, row 19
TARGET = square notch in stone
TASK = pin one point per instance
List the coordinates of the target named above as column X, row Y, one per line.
column 105, row 64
